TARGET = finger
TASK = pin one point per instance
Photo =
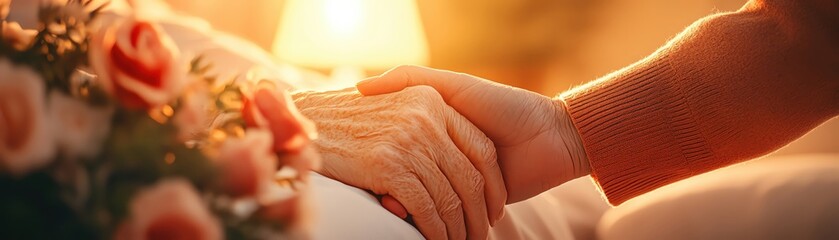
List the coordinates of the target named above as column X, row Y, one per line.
column 446, row 82
column 419, row 204
column 394, row 206
column 436, row 185
column 480, row 151
column 446, row 199
column 469, row 186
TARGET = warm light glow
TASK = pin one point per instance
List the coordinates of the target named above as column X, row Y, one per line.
column 344, row 17
column 372, row 34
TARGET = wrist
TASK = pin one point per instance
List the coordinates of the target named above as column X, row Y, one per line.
column 571, row 139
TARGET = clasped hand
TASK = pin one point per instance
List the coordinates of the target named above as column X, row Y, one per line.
column 438, row 143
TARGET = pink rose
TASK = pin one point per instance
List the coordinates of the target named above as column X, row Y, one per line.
column 171, row 209
column 138, row 64
column 78, row 127
column 274, row 110
column 25, row 140
column 18, row 37
column 247, row 163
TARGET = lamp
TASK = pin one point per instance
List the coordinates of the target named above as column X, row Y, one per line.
column 350, row 36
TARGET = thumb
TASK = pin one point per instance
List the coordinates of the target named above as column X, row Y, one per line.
column 445, row 82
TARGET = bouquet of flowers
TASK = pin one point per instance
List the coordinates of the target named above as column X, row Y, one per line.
column 107, row 131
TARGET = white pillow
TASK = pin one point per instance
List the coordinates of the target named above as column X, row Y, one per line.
column 788, row 197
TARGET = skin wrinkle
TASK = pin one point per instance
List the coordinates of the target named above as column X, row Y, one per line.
column 571, row 139
column 528, row 120
column 408, row 79
column 542, row 130
column 509, row 133
column 558, row 127
column 453, row 99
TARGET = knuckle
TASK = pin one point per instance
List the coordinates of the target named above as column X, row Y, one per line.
column 476, row 182
column 404, row 71
column 415, row 114
column 485, row 149
column 418, row 120
column 425, row 210
column 386, row 159
column 404, row 138
column 487, row 145
column 489, row 155
column 452, row 209
column 476, row 185
column 425, row 94
column 386, row 151
column 423, row 90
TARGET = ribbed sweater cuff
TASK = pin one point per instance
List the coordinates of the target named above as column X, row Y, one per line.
column 629, row 122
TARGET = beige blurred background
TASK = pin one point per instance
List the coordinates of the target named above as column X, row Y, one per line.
column 541, row 45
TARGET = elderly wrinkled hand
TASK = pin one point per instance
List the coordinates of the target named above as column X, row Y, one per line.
column 412, row 146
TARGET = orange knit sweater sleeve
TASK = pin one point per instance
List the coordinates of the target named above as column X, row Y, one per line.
column 731, row 87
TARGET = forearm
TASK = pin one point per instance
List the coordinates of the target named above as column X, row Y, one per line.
column 730, row 88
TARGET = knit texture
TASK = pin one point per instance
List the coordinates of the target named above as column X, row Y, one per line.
column 731, row 87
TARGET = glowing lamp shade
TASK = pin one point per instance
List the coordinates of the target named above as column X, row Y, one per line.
column 369, row 34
